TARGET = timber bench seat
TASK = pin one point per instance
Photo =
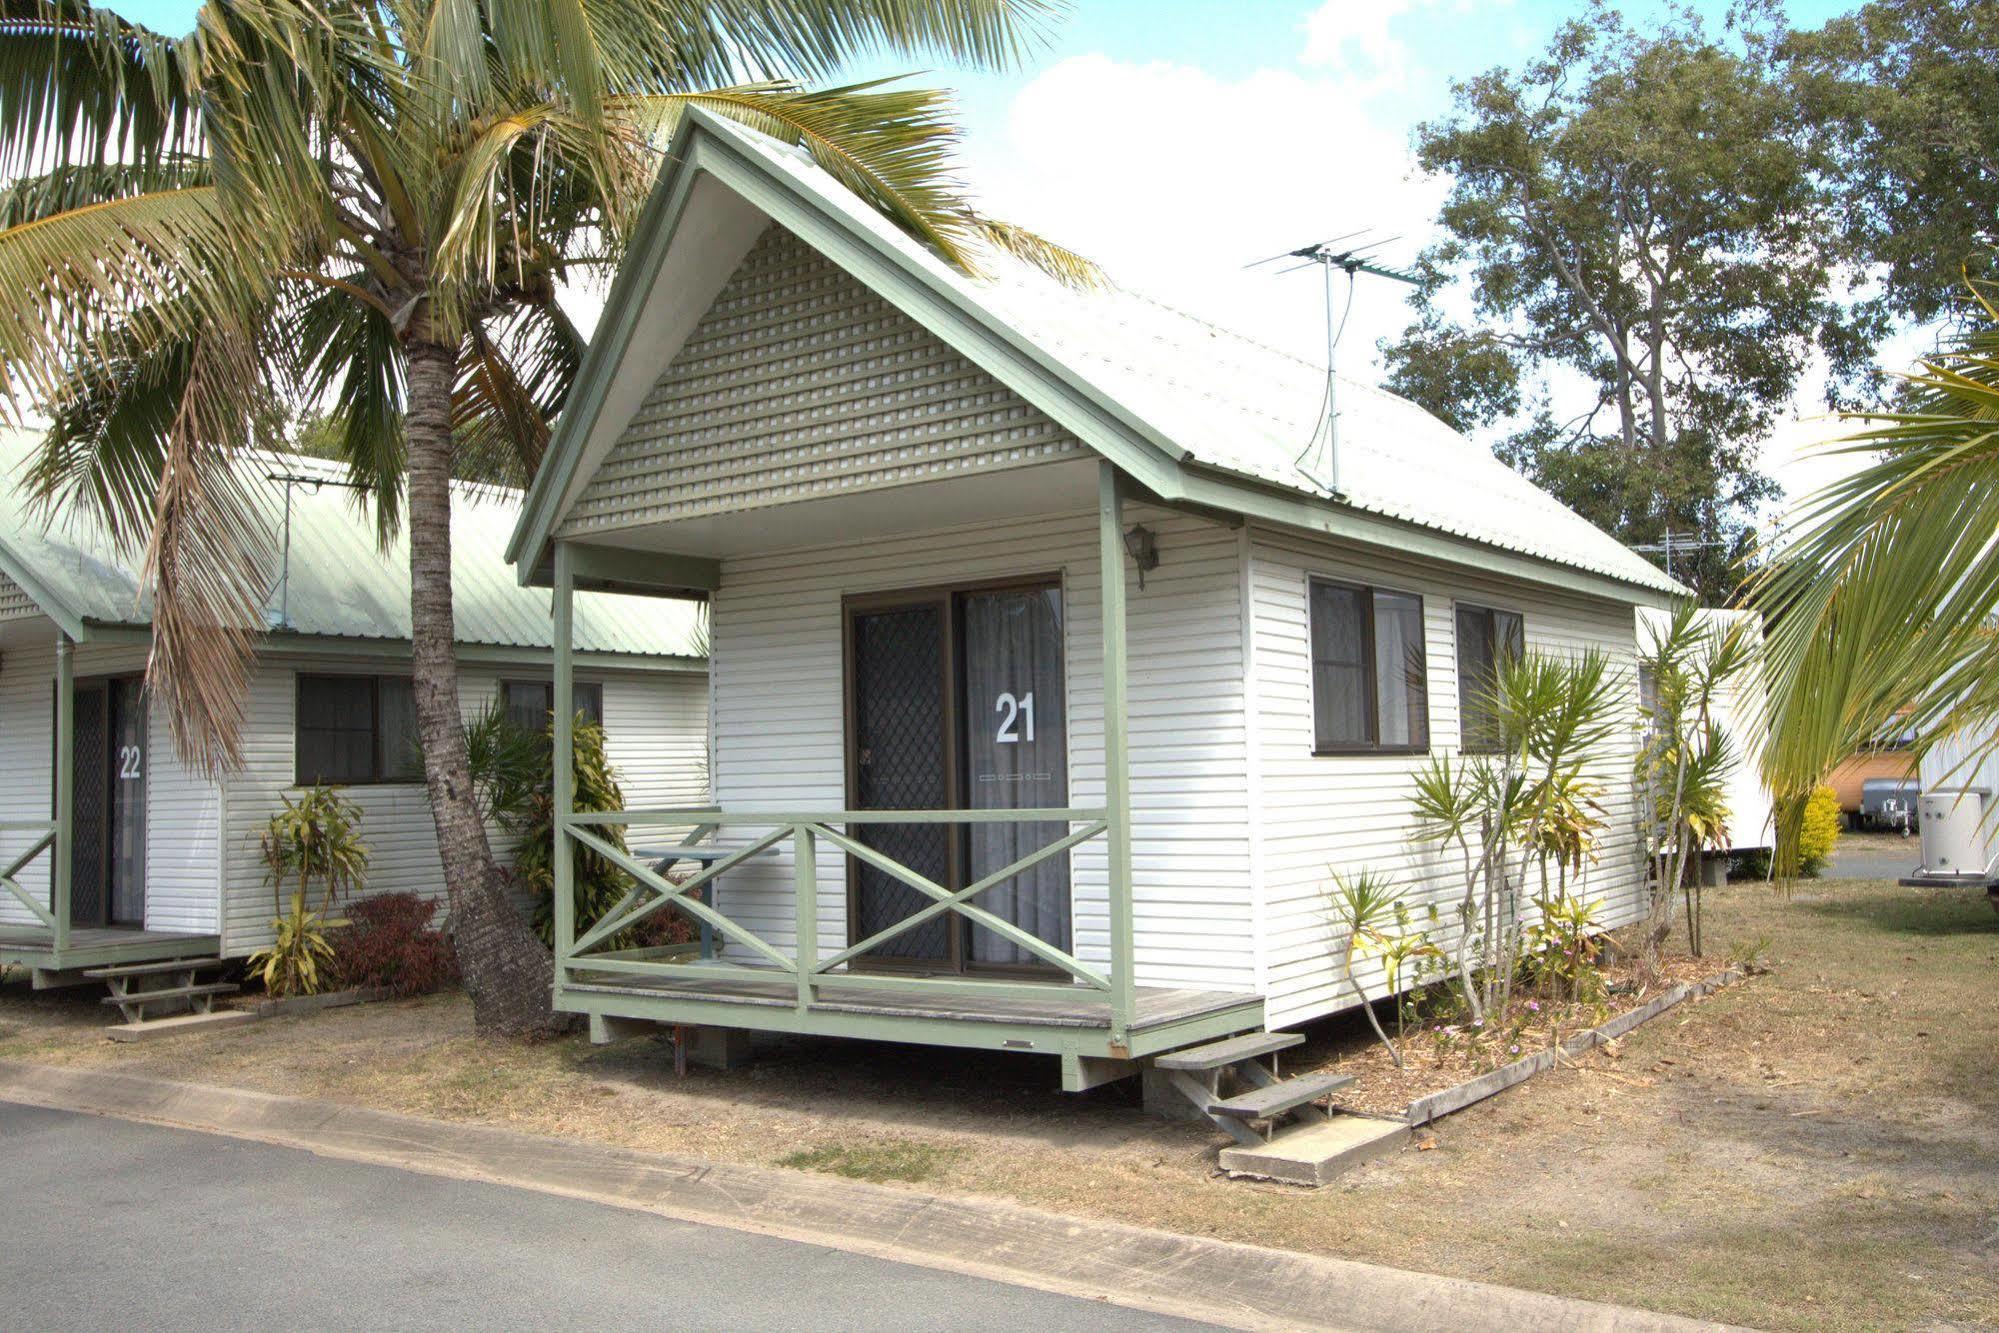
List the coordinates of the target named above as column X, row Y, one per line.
column 1275, row 1099
column 1233, row 1050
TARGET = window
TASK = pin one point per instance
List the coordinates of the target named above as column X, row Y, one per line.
column 1369, row 686
column 356, row 729
column 529, row 703
column 1485, row 639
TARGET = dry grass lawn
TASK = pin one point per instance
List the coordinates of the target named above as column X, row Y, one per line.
column 1818, row 1148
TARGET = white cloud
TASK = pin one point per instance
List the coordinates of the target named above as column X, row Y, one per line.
column 1175, row 179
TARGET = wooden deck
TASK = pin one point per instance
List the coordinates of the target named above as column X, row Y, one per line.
column 1073, row 1020
column 100, row 946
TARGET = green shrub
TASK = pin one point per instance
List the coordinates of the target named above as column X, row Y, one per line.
column 1818, row 832
column 314, row 840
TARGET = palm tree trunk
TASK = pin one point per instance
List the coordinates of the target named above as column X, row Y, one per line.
column 508, row 972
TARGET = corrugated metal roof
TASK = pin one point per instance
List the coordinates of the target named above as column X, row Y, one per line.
column 343, row 584
column 1236, row 405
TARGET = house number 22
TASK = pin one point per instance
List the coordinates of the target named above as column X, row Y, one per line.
column 129, row 758
column 1018, row 722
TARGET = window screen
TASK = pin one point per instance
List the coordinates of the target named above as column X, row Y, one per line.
column 1369, row 681
column 530, row 702
column 1485, row 639
column 356, row 729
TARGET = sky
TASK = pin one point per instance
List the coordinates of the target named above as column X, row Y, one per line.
column 1177, row 141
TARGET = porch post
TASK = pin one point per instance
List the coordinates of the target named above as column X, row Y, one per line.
column 65, row 812
column 1117, row 761
column 564, row 793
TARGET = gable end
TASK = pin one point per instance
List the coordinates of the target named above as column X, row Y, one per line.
column 800, row 382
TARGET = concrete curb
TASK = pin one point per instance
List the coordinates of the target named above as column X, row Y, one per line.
column 1425, row 1110
column 1242, row 1286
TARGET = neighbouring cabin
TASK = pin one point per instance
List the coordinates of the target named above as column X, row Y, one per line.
column 164, row 862
column 1048, row 686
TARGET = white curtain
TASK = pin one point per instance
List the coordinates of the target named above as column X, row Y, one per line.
column 1016, row 747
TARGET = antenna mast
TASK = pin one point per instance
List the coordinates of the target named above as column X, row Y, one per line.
column 1351, row 261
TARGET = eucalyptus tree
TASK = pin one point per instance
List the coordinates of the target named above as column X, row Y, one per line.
column 1641, row 225
column 1881, row 601
column 370, row 206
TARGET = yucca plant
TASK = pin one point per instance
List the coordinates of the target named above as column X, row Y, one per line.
column 375, row 205
column 1686, row 758
column 1880, row 600
column 1527, row 801
column 297, row 960
column 315, row 840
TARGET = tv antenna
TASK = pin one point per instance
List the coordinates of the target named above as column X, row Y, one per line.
column 1336, row 255
column 1687, row 542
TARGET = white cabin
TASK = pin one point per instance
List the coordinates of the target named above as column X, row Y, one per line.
column 997, row 566
column 165, row 861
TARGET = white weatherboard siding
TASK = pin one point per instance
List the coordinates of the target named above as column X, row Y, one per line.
column 798, row 383
column 653, row 726
column 27, row 716
column 778, row 732
column 1317, row 814
column 181, row 806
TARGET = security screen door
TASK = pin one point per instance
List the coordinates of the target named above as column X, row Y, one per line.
column 956, row 700
column 108, row 866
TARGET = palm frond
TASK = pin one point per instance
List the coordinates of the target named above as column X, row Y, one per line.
column 891, row 146
column 1057, row 261
column 210, row 557
column 728, row 41
column 1881, row 602
column 81, row 86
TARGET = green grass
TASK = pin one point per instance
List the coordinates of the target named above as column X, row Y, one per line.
column 903, row 1163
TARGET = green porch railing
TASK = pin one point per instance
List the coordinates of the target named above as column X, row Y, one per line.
column 10, row 877
column 652, row 892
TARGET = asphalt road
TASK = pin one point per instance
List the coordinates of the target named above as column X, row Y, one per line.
column 111, row 1224
column 1874, row 856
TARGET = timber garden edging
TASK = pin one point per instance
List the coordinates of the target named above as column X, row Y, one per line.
column 277, row 1006
column 1425, row 1110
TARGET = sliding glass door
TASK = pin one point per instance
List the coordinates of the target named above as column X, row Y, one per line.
column 956, row 699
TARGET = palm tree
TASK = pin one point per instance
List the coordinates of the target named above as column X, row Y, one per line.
column 370, row 205
column 1880, row 603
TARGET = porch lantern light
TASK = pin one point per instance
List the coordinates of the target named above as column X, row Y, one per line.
column 1143, row 548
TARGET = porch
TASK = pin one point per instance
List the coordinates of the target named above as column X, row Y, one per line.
column 900, row 916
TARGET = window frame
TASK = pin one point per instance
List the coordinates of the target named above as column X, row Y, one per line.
column 1369, row 665
column 1491, row 615
column 378, row 774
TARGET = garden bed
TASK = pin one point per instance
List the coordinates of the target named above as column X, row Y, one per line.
column 1444, row 1053
column 278, row 1006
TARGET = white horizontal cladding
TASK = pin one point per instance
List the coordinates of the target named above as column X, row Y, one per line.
column 653, row 737
column 798, row 383
column 779, row 738
column 27, row 754
column 1321, row 814
column 181, row 809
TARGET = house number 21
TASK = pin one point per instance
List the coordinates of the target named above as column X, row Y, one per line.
column 1018, row 722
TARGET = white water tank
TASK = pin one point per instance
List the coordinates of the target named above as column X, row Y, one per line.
column 1957, row 837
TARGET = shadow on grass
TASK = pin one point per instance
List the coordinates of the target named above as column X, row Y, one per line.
column 1912, row 911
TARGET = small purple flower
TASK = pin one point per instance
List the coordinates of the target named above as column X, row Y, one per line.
column 1514, row 1049
column 1534, row 1006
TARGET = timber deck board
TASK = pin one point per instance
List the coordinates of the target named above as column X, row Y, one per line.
column 89, row 946
column 1075, row 1006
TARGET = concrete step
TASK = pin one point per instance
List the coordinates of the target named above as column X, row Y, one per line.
column 1229, row 1051
column 1277, row 1098
column 1317, row 1151
column 167, row 1027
